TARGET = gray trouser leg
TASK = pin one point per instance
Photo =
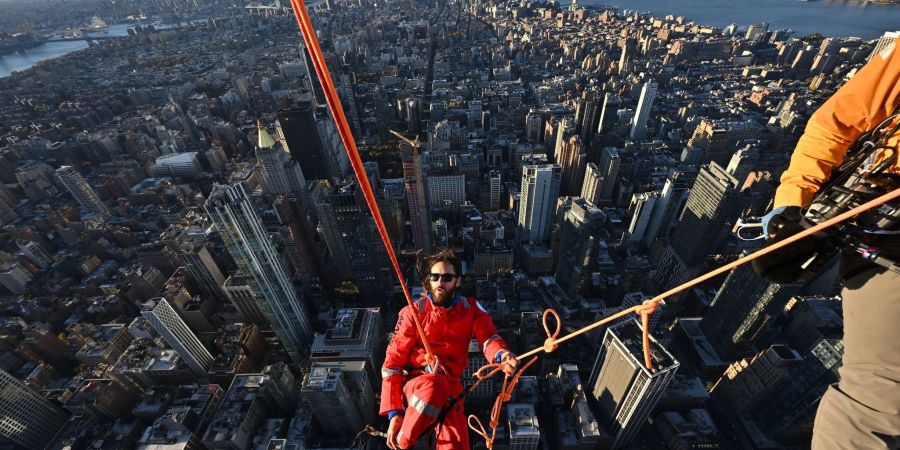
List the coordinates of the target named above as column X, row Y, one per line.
column 862, row 411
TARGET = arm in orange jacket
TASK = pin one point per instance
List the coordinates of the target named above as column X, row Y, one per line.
column 867, row 99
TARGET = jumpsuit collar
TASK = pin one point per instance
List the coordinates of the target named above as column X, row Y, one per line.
column 452, row 302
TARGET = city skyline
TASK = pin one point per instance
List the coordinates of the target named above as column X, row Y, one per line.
column 188, row 260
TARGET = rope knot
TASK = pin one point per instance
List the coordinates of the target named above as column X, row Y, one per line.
column 550, row 345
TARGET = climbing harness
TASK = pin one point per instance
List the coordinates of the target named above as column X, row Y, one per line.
column 644, row 310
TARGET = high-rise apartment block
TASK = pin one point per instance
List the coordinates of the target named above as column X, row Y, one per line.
column 166, row 321
column 537, row 206
column 81, row 190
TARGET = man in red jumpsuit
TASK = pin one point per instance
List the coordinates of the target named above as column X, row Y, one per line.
column 411, row 395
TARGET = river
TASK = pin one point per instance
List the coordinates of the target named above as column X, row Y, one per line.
column 829, row 17
column 20, row 61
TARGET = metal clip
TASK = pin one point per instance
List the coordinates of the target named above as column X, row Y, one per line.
column 751, row 222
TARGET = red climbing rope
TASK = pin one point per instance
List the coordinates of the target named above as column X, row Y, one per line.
column 343, row 127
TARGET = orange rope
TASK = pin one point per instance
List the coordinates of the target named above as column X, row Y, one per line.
column 343, row 126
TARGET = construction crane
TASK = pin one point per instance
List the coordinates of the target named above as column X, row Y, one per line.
column 412, row 143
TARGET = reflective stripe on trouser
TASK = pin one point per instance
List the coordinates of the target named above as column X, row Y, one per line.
column 862, row 411
column 426, row 395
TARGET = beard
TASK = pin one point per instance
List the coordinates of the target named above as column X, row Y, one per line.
column 443, row 296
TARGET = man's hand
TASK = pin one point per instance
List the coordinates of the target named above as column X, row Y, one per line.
column 392, row 432
column 509, row 363
column 789, row 264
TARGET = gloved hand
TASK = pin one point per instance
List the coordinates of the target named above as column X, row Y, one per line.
column 788, row 264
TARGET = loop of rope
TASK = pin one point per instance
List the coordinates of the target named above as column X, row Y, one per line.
column 550, row 343
column 343, row 127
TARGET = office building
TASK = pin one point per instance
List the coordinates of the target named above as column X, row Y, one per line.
column 712, row 206
column 37, row 180
column 642, row 115
column 743, row 308
column 328, row 393
column 592, row 186
column 579, row 235
column 234, row 214
column 298, row 133
column 747, row 382
column 238, row 290
column 609, row 116
column 15, row 277
column 78, row 187
column 524, row 430
column 278, row 173
column 35, row 253
column 537, row 205
column 354, row 336
column 626, row 391
column 346, row 225
column 446, row 191
column 186, row 165
column 609, row 173
column 166, row 321
column 886, row 40
column 643, row 206
column 192, row 246
column 27, row 419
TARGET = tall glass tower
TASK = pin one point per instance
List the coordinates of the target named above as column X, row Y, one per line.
column 234, row 215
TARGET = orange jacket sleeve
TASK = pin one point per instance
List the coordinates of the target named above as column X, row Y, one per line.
column 396, row 357
column 864, row 101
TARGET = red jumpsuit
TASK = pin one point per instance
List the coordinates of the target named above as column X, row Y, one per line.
column 424, row 395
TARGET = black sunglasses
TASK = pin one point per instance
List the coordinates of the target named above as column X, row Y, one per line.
column 445, row 277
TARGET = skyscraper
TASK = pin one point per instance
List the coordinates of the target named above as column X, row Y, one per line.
column 349, row 232
column 579, row 233
column 534, row 125
column 78, row 187
column 639, row 126
column 27, row 419
column 299, row 134
column 191, row 246
column 643, row 205
column 743, row 308
column 327, row 391
column 625, row 390
column 417, row 197
column 787, row 413
column 711, row 206
column 165, row 320
column 537, row 204
column 609, row 171
column 278, row 173
column 234, row 215
column 610, row 113
column 592, row 186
